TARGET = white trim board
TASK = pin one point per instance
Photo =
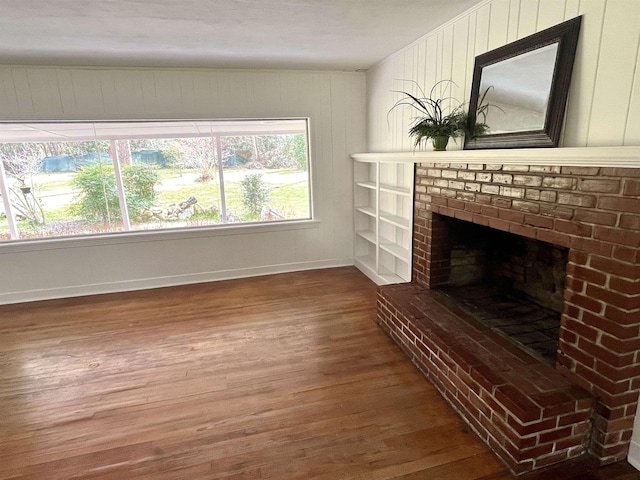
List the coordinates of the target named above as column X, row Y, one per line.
column 170, row 281
column 619, row 157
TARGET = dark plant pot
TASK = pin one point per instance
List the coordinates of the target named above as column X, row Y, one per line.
column 440, row 143
column 25, row 190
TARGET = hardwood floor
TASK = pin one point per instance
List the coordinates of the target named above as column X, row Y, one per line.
column 280, row 377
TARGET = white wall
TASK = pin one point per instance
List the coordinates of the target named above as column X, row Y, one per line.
column 334, row 102
column 604, row 99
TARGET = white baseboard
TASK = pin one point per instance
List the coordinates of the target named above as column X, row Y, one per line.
column 169, row 281
column 634, row 454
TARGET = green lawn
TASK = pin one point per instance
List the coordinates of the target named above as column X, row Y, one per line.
column 288, row 195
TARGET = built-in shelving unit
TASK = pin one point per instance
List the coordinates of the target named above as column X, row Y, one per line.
column 383, row 219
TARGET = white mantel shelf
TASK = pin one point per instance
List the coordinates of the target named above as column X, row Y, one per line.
column 623, row 157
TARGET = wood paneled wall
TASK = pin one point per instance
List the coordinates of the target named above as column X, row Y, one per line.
column 334, row 103
column 604, row 100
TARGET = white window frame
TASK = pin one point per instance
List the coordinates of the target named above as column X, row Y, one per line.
column 129, row 235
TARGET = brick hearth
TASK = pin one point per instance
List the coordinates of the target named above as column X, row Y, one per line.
column 595, row 213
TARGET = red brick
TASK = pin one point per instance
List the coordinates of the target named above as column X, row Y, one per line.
column 584, row 171
column 527, row 180
column 538, row 221
column 630, row 222
column 519, row 404
column 555, row 211
column 573, row 418
column 601, row 383
column 624, row 317
column 554, row 435
column 611, row 351
column 511, row 216
column 577, row 200
column 578, row 257
column 578, row 439
column 589, row 275
column 613, row 328
column 489, row 211
column 592, row 246
column 503, row 178
column 457, row 204
column 577, row 354
column 624, row 348
column 523, row 206
column 554, row 238
column 613, row 298
column 563, row 183
column 631, row 188
column 545, row 169
column 573, row 228
column 596, row 217
column 618, row 236
column 574, row 285
column 617, row 374
column 621, row 172
column 502, row 203
column 611, row 265
column 620, row 204
column 599, row 185
column 585, row 331
column 584, row 302
column 625, row 286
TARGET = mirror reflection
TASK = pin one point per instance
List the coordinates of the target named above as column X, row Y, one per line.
column 518, row 89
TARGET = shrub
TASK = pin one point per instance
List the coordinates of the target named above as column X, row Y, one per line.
column 254, row 193
column 98, row 197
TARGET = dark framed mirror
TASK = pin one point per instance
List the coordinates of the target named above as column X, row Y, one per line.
column 520, row 90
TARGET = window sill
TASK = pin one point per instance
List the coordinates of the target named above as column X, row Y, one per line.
column 17, row 246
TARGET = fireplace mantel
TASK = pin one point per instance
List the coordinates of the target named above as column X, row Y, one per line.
column 619, row 157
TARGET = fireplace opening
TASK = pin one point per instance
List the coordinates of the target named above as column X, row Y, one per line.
column 511, row 284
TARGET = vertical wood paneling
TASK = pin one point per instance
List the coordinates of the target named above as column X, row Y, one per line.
column 528, row 18
column 603, row 103
column 431, row 72
column 585, row 69
column 571, row 9
column 458, row 68
column 498, row 20
column 616, row 69
column 22, row 90
column 8, row 97
column 632, row 132
column 514, row 20
column 87, row 93
column 67, row 97
column 45, row 93
column 447, row 53
column 471, row 51
column 550, row 13
column 483, row 24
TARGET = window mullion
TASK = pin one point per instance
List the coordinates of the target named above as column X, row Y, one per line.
column 8, row 209
column 223, row 203
column 124, row 211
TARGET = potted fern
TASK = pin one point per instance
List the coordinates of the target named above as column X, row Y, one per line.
column 439, row 118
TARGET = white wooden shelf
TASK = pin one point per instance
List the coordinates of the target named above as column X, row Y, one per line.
column 383, row 219
column 396, row 220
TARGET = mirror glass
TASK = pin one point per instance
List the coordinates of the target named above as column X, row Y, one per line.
column 518, row 90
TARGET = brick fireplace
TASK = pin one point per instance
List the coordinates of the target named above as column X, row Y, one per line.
column 531, row 414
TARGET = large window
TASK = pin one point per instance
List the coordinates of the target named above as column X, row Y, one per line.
column 66, row 179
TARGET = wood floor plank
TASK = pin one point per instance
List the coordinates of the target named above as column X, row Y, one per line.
column 281, row 377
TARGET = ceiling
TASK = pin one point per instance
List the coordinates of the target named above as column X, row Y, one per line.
column 292, row 34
